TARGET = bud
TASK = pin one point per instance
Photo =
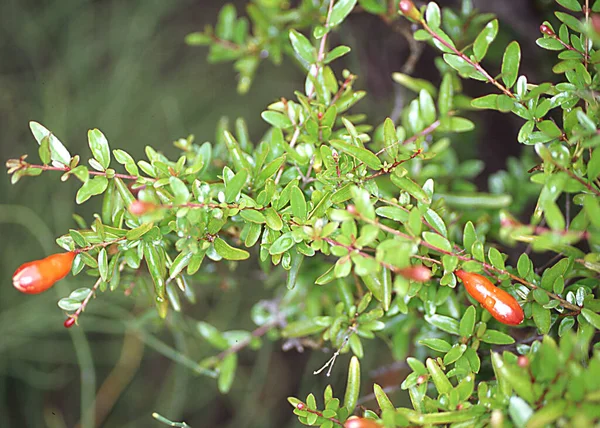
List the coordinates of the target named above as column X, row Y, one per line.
column 547, row 30
column 300, row 406
column 408, row 9
column 69, row 322
column 416, row 273
column 141, row 207
column 523, row 361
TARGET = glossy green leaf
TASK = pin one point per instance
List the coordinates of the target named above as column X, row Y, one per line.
column 439, row 345
column 303, row 48
column 59, row 152
column 467, row 322
column 341, row 9
column 94, row 186
column 510, row 64
column 99, row 147
column 366, row 156
column 484, row 39
column 227, row 370
column 235, row 185
column 228, row 252
column 352, row 384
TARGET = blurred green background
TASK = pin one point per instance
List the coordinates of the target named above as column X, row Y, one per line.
column 122, row 66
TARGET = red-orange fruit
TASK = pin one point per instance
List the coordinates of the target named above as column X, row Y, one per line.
column 496, row 301
column 39, row 275
column 356, row 422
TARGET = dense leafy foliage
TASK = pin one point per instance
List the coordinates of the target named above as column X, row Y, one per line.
column 363, row 227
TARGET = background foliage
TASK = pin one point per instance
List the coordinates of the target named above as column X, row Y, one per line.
column 142, row 86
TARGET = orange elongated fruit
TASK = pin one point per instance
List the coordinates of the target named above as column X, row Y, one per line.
column 39, row 275
column 496, row 301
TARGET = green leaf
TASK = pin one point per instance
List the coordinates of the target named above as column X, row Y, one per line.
column 297, row 259
column 303, row 48
column 510, row 64
column 155, row 265
column 374, row 7
column 59, row 152
column 549, row 128
column 459, row 64
column 235, row 186
column 486, row 102
column 298, row 203
column 433, row 15
column 426, row 106
column 366, row 156
column 520, row 412
column 497, row 338
column 180, row 191
column 92, row 187
column 436, row 344
column 352, row 384
column 434, row 219
column 456, row 124
column 496, row 258
column 340, row 11
column 549, row 413
column 467, row 322
column 446, row 95
column 335, row 53
column 272, row 219
column 455, row 353
column 253, row 216
column 227, row 373
column 103, row 264
column 570, row 21
column 592, row 317
column 212, row 335
column 362, row 202
column 228, row 252
column 138, row 232
column 437, row 241
column 198, row 39
column 444, row 323
column 382, row 399
column 541, row 317
column 99, row 147
column 69, row 304
column 268, row 171
column 180, row 263
column 80, row 294
column 127, row 161
column 282, row 244
column 484, row 39
column 573, row 5
column 276, row 119
column 439, row 378
column 550, row 44
column 591, row 205
column 44, row 150
column 408, row 185
column 469, row 235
